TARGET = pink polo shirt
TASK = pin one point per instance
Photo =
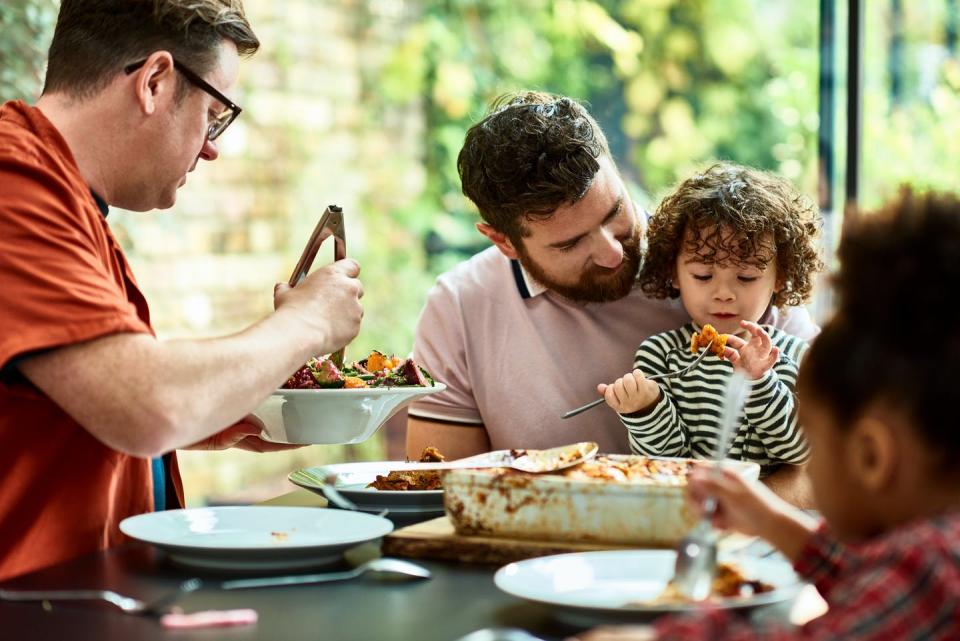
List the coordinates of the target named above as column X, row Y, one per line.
column 514, row 356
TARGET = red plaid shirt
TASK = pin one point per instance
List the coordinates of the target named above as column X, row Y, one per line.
column 904, row 585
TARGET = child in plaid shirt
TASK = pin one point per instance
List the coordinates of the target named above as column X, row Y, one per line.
column 875, row 392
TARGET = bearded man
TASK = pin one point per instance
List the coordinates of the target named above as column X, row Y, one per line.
column 525, row 330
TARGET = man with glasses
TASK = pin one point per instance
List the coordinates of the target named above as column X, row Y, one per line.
column 92, row 405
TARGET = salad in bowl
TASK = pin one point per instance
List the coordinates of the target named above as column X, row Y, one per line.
column 323, row 404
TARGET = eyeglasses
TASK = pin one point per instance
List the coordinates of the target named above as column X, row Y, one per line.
column 222, row 120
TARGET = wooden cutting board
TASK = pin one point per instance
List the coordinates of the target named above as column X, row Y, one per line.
column 436, row 539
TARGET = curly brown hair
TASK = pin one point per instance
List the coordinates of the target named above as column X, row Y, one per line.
column 532, row 153
column 898, row 266
column 768, row 218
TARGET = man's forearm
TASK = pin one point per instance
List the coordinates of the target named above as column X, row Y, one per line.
column 453, row 440
column 144, row 397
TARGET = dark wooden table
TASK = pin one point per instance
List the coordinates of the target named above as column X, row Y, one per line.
column 457, row 600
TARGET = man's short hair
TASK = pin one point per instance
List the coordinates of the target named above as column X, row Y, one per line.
column 531, row 154
column 95, row 39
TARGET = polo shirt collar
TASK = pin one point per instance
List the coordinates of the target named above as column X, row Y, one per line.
column 101, row 203
column 526, row 285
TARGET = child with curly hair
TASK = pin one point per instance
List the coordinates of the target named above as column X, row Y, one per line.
column 730, row 242
column 884, row 447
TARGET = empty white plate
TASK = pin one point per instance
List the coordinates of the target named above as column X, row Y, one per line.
column 256, row 537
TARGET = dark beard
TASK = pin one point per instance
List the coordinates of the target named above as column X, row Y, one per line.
column 598, row 284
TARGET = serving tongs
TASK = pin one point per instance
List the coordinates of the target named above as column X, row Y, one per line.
column 331, row 224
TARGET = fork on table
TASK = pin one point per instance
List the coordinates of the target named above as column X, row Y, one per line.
column 157, row 607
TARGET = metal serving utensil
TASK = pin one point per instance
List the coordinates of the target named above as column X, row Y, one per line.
column 697, row 552
column 655, row 377
column 533, row 461
column 130, row 605
column 385, row 567
column 331, row 224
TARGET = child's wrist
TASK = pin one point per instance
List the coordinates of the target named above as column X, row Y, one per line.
column 643, row 409
column 789, row 530
column 759, row 376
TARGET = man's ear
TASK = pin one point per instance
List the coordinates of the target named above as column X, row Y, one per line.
column 873, row 453
column 499, row 239
column 155, row 81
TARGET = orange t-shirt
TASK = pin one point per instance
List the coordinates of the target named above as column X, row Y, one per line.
column 63, row 280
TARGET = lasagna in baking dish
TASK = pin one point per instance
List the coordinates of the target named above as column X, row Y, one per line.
column 614, row 499
column 633, row 469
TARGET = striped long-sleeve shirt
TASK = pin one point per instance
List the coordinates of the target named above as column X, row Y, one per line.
column 684, row 421
column 902, row 586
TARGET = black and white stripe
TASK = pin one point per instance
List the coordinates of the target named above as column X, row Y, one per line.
column 684, row 421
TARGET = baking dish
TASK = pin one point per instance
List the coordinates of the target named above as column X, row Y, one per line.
column 644, row 507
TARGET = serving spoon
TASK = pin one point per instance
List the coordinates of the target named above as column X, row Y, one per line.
column 532, row 461
column 384, row 567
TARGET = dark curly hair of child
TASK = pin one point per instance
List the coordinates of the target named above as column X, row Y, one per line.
column 770, row 222
column 894, row 341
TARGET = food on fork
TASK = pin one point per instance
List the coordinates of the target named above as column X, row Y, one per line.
column 377, row 370
column 704, row 338
column 413, row 480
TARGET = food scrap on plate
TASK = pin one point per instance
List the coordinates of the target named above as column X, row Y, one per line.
column 728, row 583
column 413, row 480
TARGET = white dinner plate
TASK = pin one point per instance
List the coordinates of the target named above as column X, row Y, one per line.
column 256, row 537
column 588, row 588
column 352, row 480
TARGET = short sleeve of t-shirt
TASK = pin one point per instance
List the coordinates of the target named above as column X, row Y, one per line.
column 59, row 273
column 440, row 348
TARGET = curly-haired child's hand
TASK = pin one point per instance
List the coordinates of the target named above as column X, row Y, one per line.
column 630, row 393
column 755, row 356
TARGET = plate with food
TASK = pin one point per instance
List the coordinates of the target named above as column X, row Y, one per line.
column 255, row 538
column 373, row 486
column 587, row 588
column 322, row 403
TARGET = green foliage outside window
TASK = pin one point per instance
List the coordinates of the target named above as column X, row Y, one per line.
column 26, row 26
column 674, row 83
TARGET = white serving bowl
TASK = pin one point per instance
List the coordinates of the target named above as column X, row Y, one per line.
column 327, row 416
